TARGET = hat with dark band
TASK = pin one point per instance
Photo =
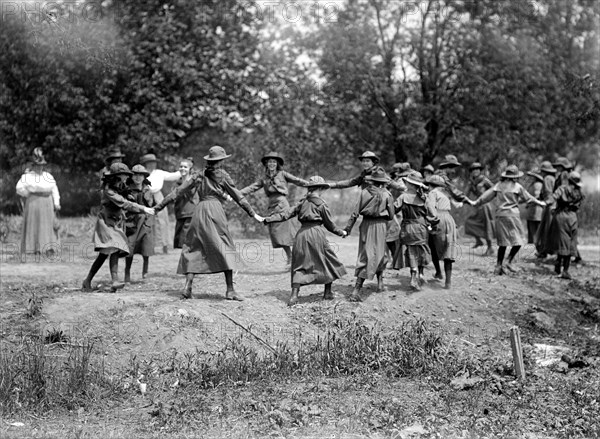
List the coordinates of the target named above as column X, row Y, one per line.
column 117, row 169
column 546, row 166
column 369, row 155
column 564, row 162
column 114, row 153
column 415, row 178
column 512, row 172
column 435, row 180
column 535, row 175
column 147, row 158
column 216, row 153
column 429, row 168
column 140, row 169
column 316, row 182
column 450, row 161
column 272, row 155
column 575, row 178
column 378, row 176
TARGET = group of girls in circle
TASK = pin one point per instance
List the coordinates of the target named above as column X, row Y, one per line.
column 406, row 221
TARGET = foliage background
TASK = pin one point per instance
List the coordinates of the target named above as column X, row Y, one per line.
column 496, row 82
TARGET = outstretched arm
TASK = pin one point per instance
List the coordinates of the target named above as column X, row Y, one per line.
column 179, row 191
column 284, row 215
column 294, row 180
column 252, row 188
column 486, row 197
column 328, row 221
column 343, row 184
column 229, row 186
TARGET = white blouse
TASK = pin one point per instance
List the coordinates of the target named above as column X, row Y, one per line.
column 158, row 177
column 44, row 183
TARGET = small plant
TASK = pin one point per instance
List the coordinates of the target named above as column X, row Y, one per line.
column 34, row 305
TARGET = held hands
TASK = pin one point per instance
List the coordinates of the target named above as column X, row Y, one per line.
column 149, row 211
column 57, row 207
column 258, row 218
column 344, row 234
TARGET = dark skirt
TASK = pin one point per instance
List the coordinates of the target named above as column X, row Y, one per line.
column 532, row 227
column 372, row 255
column 445, row 240
column 141, row 239
column 541, row 236
column 562, row 238
column 509, row 231
column 181, row 229
column 38, row 231
column 313, row 259
column 480, row 224
column 208, row 246
column 110, row 239
column 281, row 233
column 417, row 255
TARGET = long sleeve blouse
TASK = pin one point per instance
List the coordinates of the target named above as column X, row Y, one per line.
column 374, row 202
column 40, row 184
column 311, row 209
column 275, row 184
column 213, row 183
column 508, row 195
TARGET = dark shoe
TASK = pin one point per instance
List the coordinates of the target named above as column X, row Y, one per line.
column 478, row 244
column 165, row 250
column 127, row 278
column 577, row 260
column 438, row 276
column 499, row 270
column 327, row 294
column 294, row 297
column 87, row 287
column 144, row 275
column 448, row 284
column 565, row 275
column 233, row 295
column 116, row 285
column 422, row 280
column 557, row 267
column 414, row 282
column 187, row 290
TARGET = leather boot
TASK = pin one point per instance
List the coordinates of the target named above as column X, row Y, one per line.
column 187, row 290
column 327, row 294
column 230, row 293
column 294, row 296
column 448, row 271
column 557, row 265
column 355, row 294
column 380, row 286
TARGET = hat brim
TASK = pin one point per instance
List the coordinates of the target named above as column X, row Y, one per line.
column 505, row 175
column 43, row 162
column 578, row 184
column 378, row 180
column 549, row 171
column 374, row 159
column 434, row 183
column 414, row 182
column 214, row 159
column 267, row 157
column 405, row 173
column 119, row 173
column 146, row 173
column 450, row 165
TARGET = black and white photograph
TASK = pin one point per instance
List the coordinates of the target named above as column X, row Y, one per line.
column 303, row 219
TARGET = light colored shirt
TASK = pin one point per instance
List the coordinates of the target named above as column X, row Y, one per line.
column 158, row 177
column 41, row 184
column 508, row 195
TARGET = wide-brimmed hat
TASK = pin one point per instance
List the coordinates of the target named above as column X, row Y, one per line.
column 512, row 171
column 114, row 153
column 272, row 155
column 369, row 155
column 564, row 162
column 546, row 166
column 118, row 168
column 429, row 168
column 575, row 178
column 435, row 180
column 38, row 157
column 147, row 158
column 140, row 169
column 378, row 176
column 475, row 165
column 317, row 182
column 216, row 153
column 535, row 175
column 450, row 161
column 415, row 178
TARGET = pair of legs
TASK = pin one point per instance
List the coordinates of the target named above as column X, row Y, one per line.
column 113, row 263
column 129, row 262
column 327, row 294
column 355, row 294
column 230, row 293
column 564, row 262
column 511, row 256
column 438, row 271
column 417, row 277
